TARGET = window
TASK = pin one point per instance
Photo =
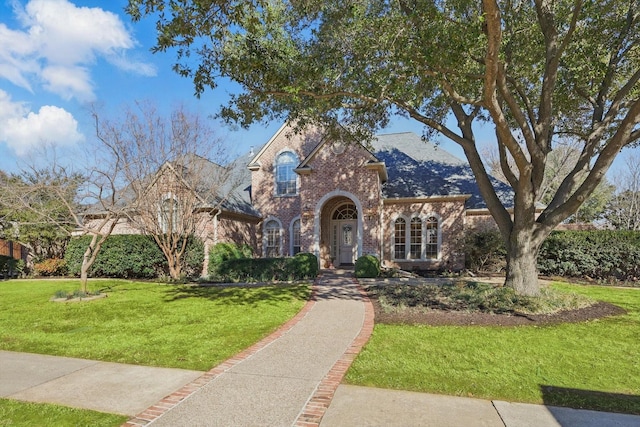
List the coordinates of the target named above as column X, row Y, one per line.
column 432, row 237
column 285, row 176
column 272, row 239
column 420, row 241
column 400, row 229
column 415, row 244
column 347, row 211
column 168, row 216
column 295, row 237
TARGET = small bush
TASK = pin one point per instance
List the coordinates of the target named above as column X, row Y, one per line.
column 367, row 266
column 193, row 257
column 8, row 266
column 51, row 267
column 485, row 251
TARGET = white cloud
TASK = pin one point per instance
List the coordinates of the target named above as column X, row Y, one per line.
column 24, row 130
column 59, row 42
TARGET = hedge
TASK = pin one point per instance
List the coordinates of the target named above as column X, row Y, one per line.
column 131, row 256
column 301, row 266
column 601, row 254
column 222, row 252
column 597, row 254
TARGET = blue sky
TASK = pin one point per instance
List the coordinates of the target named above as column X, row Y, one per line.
column 59, row 56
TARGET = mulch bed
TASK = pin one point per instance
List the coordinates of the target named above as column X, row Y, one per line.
column 417, row 316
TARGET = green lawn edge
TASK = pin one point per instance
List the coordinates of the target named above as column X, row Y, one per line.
column 16, row 413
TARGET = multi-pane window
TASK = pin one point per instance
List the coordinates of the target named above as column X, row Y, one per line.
column 285, row 176
column 295, row 236
column 400, row 239
column 417, row 240
column 431, row 225
column 415, row 243
column 272, row 239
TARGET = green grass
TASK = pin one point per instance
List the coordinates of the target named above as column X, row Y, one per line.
column 143, row 323
column 16, row 414
column 592, row 365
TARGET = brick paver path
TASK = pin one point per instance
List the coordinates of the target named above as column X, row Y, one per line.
column 287, row 379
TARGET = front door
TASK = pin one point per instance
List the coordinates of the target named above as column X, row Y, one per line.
column 347, row 233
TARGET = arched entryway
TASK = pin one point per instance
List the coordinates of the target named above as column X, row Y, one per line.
column 338, row 229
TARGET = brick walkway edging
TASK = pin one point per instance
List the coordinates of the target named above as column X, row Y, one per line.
column 318, row 404
column 170, row 401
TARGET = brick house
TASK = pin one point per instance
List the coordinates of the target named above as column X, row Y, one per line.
column 399, row 198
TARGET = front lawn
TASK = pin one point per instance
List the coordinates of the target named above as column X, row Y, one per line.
column 591, row 365
column 143, row 323
column 18, row 414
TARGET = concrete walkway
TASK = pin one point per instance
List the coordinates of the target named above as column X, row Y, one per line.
column 291, row 378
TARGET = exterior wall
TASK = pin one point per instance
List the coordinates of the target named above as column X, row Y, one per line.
column 480, row 221
column 336, row 176
column 283, row 208
column 451, row 216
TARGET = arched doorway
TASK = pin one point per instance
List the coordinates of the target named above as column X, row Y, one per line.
column 343, row 239
column 333, row 211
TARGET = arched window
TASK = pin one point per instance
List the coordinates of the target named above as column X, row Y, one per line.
column 432, row 237
column 272, row 239
column 400, row 239
column 168, row 215
column 295, row 237
column 346, row 211
column 285, row 176
column 415, row 236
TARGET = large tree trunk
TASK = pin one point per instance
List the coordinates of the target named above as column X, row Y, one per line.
column 522, row 263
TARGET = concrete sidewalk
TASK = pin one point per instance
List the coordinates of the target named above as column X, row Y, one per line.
column 372, row 407
column 101, row 386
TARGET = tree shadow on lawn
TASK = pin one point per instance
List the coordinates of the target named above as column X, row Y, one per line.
column 240, row 295
column 589, row 399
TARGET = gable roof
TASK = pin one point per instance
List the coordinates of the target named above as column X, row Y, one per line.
column 418, row 168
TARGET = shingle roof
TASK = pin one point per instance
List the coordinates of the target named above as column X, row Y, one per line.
column 418, row 168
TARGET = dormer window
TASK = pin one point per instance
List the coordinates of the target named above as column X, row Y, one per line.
column 286, row 179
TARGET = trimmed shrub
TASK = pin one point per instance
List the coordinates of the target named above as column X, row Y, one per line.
column 128, row 256
column 132, row 256
column 367, row 266
column 301, row 266
column 600, row 254
column 51, row 267
column 193, row 257
column 222, row 252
